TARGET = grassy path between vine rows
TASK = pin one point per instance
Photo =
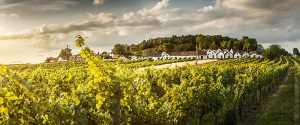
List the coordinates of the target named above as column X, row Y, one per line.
column 296, row 113
column 280, row 109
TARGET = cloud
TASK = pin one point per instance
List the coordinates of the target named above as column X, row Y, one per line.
column 142, row 19
column 57, row 5
column 49, row 42
column 37, row 5
column 256, row 18
column 52, row 29
column 219, row 24
column 103, row 17
column 147, row 15
column 98, row 2
column 13, row 15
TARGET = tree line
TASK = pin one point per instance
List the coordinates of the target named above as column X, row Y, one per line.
column 187, row 43
column 275, row 51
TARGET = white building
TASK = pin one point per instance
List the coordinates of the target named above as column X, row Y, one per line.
column 123, row 58
column 237, row 55
column 212, row 54
column 111, row 54
column 165, row 55
column 208, row 54
column 156, row 57
column 294, row 55
column 220, row 55
column 253, row 55
column 231, row 51
column 228, row 55
column 61, row 59
column 183, row 55
column 245, row 55
column 202, row 55
column 133, row 57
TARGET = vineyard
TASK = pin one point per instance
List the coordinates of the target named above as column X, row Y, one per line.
column 82, row 65
column 96, row 92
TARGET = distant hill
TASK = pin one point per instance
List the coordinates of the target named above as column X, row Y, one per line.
column 187, row 43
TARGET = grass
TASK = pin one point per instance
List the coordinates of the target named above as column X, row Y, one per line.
column 281, row 109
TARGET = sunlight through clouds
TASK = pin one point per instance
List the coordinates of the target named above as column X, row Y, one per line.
column 98, row 2
column 109, row 23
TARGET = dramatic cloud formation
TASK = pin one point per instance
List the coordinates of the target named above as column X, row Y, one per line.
column 270, row 21
column 141, row 19
column 225, row 15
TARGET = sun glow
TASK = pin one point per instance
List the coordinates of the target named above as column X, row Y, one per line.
column 2, row 30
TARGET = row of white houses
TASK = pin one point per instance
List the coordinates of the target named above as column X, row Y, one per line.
column 207, row 54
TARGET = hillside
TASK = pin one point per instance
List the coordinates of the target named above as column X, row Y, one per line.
column 187, row 43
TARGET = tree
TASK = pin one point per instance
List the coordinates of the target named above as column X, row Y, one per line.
column 230, row 44
column 200, row 42
column 270, row 54
column 104, row 52
column 274, row 51
column 185, row 43
column 166, row 47
column 224, row 45
column 47, row 60
column 296, row 52
column 237, row 45
column 249, row 44
column 213, row 45
column 119, row 49
column 260, row 49
column 134, row 49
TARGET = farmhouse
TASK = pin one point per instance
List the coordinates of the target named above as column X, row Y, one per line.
column 61, row 59
column 123, row 58
column 212, row 54
column 165, row 55
column 183, row 55
column 245, row 55
column 220, row 55
column 228, row 55
column 253, row 55
column 119, row 57
column 133, row 57
column 237, row 55
column 202, row 55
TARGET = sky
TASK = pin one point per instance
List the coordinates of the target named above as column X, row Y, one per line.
column 32, row 30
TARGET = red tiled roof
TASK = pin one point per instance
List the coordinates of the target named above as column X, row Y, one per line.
column 152, row 54
column 183, row 53
column 202, row 53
